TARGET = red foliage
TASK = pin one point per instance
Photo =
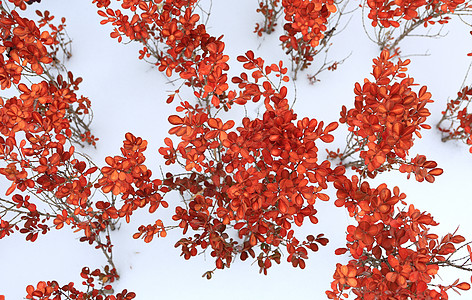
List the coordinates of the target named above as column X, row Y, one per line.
column 270, row 9
column 128, row 177
column 394, row 254
column 390, row 13
column 251, row 179
column 189, row 50
column 43, row 116
column 306, row 18
column 305, row 27
column 51, row 290
column 458, row 117
column 385, row 116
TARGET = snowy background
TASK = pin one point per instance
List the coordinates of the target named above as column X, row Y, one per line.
column 129, row 95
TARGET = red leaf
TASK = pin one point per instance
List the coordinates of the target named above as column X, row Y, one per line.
column 11, row 189
column 327, row 138
column 463, row 286
column 332, row 126
column 242, row 58
column 340, row 251
column 436, row 172
column 213, row 123
column 175, row 120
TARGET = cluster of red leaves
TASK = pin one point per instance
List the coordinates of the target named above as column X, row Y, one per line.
column 51, row 290
column 251, row 179
column 394, row 254
column 460, row 119
column 21, row 4
column 270, row 9
column 260, row 179
column 41, row 116
column 57, row 33
column 150, row 230
column 253, row 90
column 128, row 177
column 45, row 116
column 304, row 28
column 44, row 163
column 386, row 113
column 189, row 50
column 390, row 13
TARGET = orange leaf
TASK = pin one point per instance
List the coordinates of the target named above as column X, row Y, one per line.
column 332, row 126
column 175, row 120
column 457, row 239
column 391, row 276
column 228, row 125
column 352, row 282
column 327, row 138
column 463, row 286
column 11, row 189
column 436, row 172
column 213, row 123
